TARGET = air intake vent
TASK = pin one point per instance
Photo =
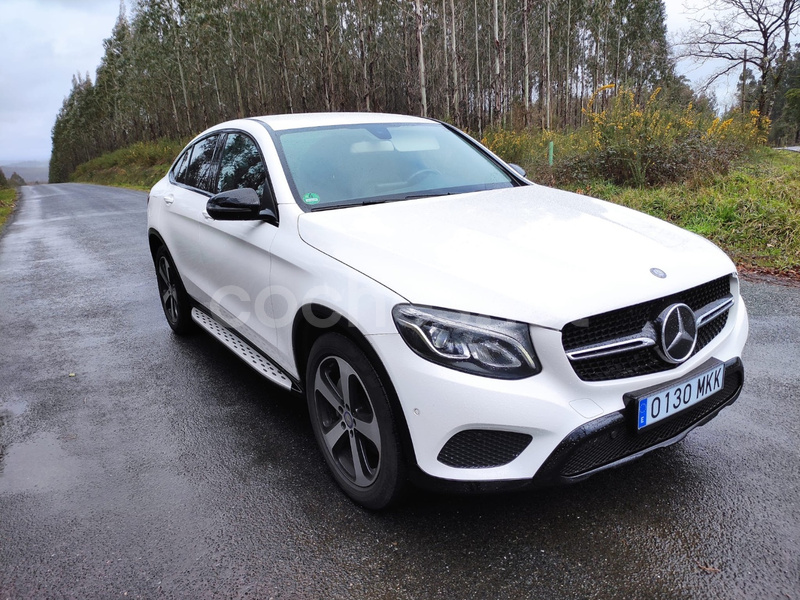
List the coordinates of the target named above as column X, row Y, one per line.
column 483, row 448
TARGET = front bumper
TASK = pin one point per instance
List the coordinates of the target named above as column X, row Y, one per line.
column 482, row 433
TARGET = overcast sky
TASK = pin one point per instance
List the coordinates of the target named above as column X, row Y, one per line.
column 43, row 43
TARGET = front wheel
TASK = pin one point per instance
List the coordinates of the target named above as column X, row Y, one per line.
column 353, row 422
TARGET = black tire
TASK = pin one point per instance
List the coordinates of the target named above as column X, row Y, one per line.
column 174, row 299
column 353, row 423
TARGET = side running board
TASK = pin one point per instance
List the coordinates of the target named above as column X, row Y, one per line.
column 242, row 349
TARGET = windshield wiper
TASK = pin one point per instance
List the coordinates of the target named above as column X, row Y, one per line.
column 351, row 204
column 382, row 200
column 427, row 195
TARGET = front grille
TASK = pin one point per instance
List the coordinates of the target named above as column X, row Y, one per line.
column 483, row 448
column 631, row 321
column 612, row 438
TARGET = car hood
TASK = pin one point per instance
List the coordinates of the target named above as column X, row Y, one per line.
column 532, row 254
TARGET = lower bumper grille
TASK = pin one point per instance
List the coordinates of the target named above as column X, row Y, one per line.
column 483, row 448
column 613, row 438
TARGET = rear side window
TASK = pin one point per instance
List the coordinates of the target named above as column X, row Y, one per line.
column 241, row 165
column 200, row 163
column 179, row 170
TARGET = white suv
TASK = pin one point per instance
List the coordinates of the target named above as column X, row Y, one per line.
column 448, row 321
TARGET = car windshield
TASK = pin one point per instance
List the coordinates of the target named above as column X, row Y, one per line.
column 330, row 167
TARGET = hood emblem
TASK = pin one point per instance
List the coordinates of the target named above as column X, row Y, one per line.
column 678, row 332
column 658, row 273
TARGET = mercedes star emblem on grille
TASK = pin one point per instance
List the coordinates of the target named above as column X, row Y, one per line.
column 678, row 332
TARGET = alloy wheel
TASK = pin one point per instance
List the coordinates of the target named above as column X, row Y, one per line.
column 347, row 420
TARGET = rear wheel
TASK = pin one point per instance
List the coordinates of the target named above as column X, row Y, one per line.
column 174, row 299
column 353, row 422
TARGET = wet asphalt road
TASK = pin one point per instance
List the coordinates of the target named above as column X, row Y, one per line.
column 165, row 468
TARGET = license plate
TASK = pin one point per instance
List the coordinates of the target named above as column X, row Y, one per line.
column 678, row 396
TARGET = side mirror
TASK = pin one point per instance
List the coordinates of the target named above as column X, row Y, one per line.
column 268, row 216
column 241, row 204
column 519, row 170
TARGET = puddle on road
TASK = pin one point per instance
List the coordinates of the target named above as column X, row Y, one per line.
column 8, row 410
column 35, row 465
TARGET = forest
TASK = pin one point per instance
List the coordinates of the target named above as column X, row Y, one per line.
column 172, row 68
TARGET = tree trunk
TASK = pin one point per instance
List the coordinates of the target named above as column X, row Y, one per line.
column 235, row 69
column 287, row 90
column 478, row 90
column 366, row 94
column 549, row 82
column 496, row 80
column 421, row 60
column 183, row 87
column 505, row 97
column 456, row 107
column 567, row 73
column 327, row 69
column 526, row 84
column 446, row 50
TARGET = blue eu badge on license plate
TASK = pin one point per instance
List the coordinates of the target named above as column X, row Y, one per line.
column 642, row 412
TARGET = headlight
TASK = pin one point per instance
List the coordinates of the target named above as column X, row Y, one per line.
column 471, row 343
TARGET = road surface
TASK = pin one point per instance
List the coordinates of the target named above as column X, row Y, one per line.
column 135, row 464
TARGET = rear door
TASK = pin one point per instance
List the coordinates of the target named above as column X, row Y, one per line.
column 184, row 206
column 236, row 254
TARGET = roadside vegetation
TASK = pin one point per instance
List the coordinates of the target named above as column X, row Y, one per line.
column 634, row 143
column 8, row 197
column 137, row 166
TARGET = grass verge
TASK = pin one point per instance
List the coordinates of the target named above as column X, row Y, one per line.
column 8, row 197
column 138, row 166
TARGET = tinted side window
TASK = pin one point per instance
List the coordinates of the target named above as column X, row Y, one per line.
column 200, row 163
column 179, row 171
column 241, row 165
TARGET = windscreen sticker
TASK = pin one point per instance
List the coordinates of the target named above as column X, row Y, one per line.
column 311, row 198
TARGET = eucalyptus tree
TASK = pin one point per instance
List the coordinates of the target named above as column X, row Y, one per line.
column 74, row 131
column 111, row 84
column 786, row 112
column 173, row 67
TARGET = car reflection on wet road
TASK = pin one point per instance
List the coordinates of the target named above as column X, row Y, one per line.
column 166, row 467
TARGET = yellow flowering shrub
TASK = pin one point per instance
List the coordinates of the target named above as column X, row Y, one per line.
column 511, row 146
column 646, row 142
column 633, row 141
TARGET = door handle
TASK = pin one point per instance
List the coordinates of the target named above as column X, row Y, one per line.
column 169, row 199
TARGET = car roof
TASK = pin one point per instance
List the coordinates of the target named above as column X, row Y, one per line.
column 304, row 120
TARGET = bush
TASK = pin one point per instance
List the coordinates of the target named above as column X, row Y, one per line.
column 634, row 143
column 512, row 146
column 652, row 144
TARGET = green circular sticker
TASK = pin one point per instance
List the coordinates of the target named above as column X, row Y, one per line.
column 311, row 198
